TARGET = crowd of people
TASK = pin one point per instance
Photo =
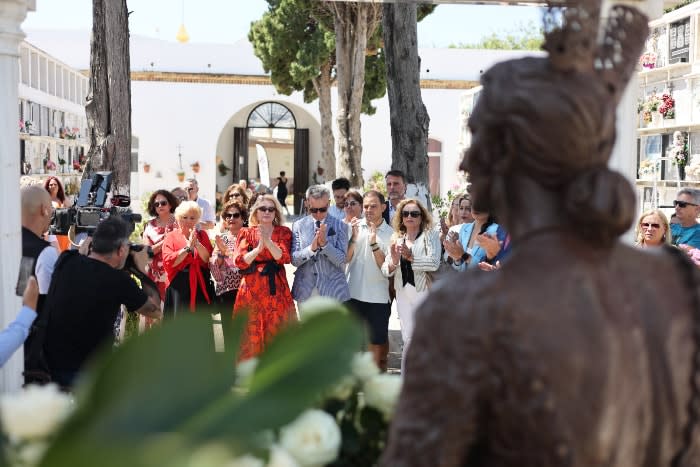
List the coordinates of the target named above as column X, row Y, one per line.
column 363, row 249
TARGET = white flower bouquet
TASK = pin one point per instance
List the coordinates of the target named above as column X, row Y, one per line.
column 309, row 400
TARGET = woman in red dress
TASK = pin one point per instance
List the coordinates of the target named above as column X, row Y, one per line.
column 161, row 206
column 262, row 250
column 186, row 253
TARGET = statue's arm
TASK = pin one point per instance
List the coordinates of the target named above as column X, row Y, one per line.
column 435, row 422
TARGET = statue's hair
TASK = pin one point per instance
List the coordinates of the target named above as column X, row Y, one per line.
column 553, row 119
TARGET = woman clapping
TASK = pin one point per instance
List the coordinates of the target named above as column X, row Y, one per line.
column 262, row 250
column 414, row 255
column 186, row 253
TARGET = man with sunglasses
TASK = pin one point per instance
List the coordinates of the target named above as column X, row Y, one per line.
column 687, row 230
column 319, row 247
column 208, row 219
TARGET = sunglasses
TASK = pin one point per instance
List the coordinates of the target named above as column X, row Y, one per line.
column 160, row 203
column 315, row 210
column 189, row 189
column 646, row 225
column 182, row 198
column 413, row 214
column 682, row 204
column 264, row 209
column 232, row 215
column 234, row 195
column 351, row 204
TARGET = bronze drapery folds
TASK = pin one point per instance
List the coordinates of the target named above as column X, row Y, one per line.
column 580, row 351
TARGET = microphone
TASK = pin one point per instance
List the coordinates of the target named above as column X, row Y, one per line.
column 318, row 224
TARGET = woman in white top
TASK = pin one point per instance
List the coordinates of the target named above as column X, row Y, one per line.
column 414, row 254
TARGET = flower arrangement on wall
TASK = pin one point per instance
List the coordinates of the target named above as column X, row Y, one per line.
column 668, row 106
column 648, row 60
column 647, row 169
column 678, row 152
column 650, row 105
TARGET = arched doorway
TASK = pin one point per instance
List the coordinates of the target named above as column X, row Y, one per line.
column 269, row 144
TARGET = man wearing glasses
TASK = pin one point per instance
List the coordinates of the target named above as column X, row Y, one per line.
column 319, row 247
column 208, row 218
column 687, row 230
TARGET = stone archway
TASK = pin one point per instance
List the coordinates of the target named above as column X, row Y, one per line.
column 281, row 128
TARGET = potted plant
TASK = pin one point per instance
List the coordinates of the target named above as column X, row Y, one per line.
column 62, row 163
column 146, row 167
column 76, row 166
column 223, row 169
column 195, row 166
column 181, row 176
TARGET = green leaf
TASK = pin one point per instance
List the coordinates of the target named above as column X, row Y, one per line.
column 161, row 395
column 300, row 364
column 148, row 385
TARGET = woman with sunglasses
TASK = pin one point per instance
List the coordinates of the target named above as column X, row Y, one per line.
column 235, row 192
column 161, row 206
column 653, row 229
column 262, row 250
column 227, row 277
column 414, row 255
column 353, row 210
column 186, row 253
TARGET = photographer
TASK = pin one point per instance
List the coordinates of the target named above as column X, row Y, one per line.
column 85, row 297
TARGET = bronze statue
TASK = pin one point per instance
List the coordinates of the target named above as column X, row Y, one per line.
column 580, row 351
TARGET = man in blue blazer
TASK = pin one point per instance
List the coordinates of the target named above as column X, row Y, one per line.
column 319, row 246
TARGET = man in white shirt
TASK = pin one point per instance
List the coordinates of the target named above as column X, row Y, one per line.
column 369, row 289
column 208, row 218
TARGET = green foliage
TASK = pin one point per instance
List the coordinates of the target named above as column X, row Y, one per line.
column 680, row 5
column 295, row 38
column 162, row 394
column 443, row 205
column 376, row 182
column 292, row 45
column 524, row 37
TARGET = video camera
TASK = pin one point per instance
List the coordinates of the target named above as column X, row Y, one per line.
column 89, row 209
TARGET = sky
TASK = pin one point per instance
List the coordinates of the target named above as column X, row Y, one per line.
column 226, row 21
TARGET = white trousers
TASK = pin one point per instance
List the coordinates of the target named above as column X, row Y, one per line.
column 408, row 299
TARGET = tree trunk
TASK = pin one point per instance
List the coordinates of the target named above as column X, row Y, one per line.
column 322, row 84
column 408, row 117
column 108, row 105
column 354, row 23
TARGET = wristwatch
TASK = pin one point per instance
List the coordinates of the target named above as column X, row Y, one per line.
column 465, row 257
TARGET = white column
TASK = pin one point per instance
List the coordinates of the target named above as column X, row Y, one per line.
column 12, row 14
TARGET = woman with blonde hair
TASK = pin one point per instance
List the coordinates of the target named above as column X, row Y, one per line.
column 414, row 254
column 261, row 251
column 653, row 229
column 186, row 253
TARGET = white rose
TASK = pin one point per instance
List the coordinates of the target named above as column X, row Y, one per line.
column 279, row 457
column 382, row 393
column 343, row 389
column 316, row 305
column 363, row 366
column 34, row 412
column 313, row 438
